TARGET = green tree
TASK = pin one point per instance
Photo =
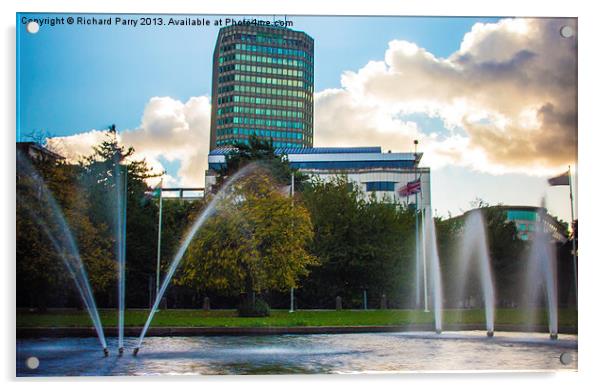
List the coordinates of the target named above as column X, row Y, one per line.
column 507, row 253
column 448, row 238
column 263, row 152
column 256, row 241
column 362, row 245
column 100, row 180
column 388, row 250
column 42, row 277
column 178, row 216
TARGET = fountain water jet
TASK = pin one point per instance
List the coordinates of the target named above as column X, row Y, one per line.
column 120, row 230
column 432, row 256
column 542, row 274
column 200, row 221
column 64, row 244
column 474, row 247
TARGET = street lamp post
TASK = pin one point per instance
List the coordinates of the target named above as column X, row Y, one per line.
column 158, row 278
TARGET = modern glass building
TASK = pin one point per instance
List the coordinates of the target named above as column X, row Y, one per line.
column 263, row 84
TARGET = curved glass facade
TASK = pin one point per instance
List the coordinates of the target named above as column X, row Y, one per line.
column 263, row 84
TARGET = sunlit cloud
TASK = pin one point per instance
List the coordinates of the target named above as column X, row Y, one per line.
column 506, row 100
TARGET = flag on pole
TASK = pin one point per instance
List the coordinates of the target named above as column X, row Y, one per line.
column 560, row 180
column 413, row 187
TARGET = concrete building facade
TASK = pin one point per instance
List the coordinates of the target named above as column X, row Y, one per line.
column 376, row 173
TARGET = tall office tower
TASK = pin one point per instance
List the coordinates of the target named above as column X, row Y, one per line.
column 263, row 84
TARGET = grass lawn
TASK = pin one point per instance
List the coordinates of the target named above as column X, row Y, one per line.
column 228, row 318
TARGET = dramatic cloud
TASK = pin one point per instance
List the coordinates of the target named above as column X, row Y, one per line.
column 507, row 98
column 169, row 129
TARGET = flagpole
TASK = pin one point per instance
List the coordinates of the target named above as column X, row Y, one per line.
column 416, row 228
column 424, row 281
column 158, row 280
column 573, row 229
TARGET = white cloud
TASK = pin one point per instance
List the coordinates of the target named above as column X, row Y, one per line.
column 170, row 129
column 510, row 88
column 507, row 99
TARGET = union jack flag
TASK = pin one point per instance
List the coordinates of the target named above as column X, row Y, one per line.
column 413, row 187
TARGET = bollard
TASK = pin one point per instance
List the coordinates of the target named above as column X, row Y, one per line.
column 206, row 304
column 339, row 303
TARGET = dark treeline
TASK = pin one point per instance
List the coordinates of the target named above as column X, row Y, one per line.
column 358, row 244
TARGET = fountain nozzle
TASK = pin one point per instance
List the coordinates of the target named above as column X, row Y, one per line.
column 136, row 351
column 120, row 351
column 489, row 333
column 106, row 351
column 553, row 336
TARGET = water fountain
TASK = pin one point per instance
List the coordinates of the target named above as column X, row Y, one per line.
column 541, row 274
column 120, row 176
column 474, row 248
column 207, row 212
column 63, row 242
column 432, row 256
column 347, row 351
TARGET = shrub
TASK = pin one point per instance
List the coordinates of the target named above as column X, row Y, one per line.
column 259, row 309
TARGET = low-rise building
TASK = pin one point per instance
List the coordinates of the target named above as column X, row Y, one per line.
column 381, row 174
column 528, row 220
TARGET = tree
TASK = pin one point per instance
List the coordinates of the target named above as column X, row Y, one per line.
column 448, row 239
column 255, row 242
column 100, row 175
column 263, row 152
column 506, row 253
column 388, row 250
column 178, row 215
column 47, row 191
column 362, row 245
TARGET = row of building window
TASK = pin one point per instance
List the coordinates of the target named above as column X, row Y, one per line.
column 264, row 69
column 265, row 91
column 261, row 133
column 276, row 144
column 380, row 186
column 346, row 165
column 265, row 80
column 266, row 50
column 260, row 111
column 265, row 60
column 262, row 122
column 260, row 100
column 274, row 39
column 525, row 215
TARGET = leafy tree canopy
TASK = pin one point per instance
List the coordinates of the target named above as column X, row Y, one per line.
column 256, row 241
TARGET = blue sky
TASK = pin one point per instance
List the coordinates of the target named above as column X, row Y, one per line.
column 93, row 76
column 72, row 79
